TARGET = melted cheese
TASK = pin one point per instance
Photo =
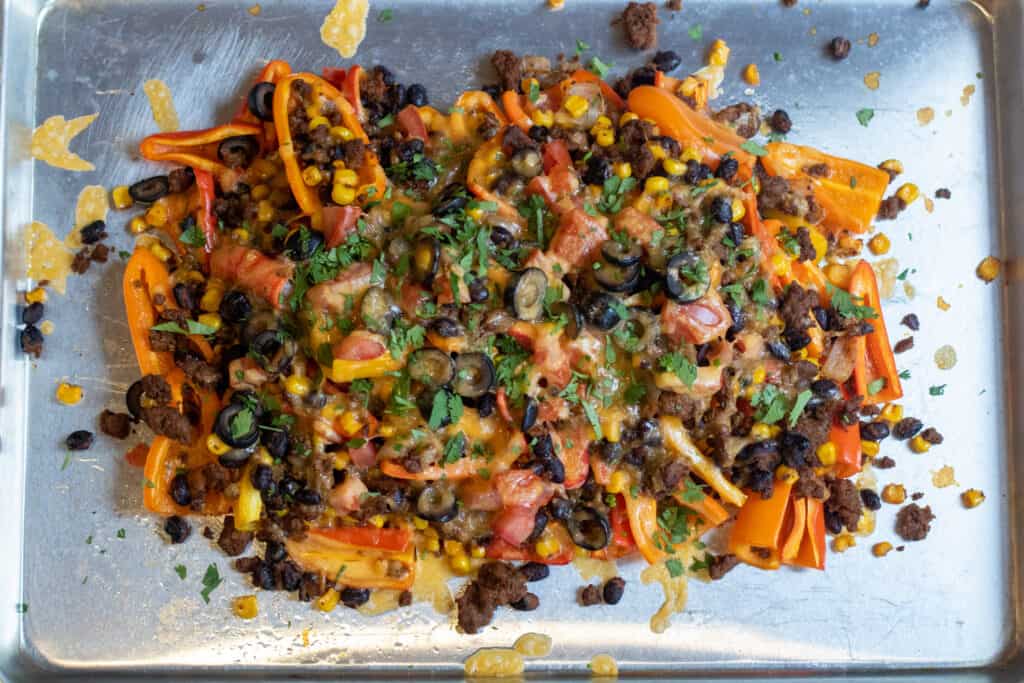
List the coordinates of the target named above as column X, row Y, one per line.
column 93, row 205
column 162, row 105
column 533, row 645
column 603, row 666
column 590, row 568
column 431, row 585
column 494, row 661
column 51, row 140
column 675, row 594
column 345, row 27
column 46, row 257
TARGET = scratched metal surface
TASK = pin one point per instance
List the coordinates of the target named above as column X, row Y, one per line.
column 115, row 606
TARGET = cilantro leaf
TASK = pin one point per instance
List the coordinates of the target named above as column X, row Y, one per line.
column 680, row 366
column 864, row 116
column 455, row 448
column 937, row 390
column 844, row 304
column 798, row 407
column 693, row 493
column 181, row 571
column 696, row 32
column 674, row 566
column 385, row 16
column 876, row 386
column 241, row 424
column 599, row 67
column 581, row 47
column 752, row 147
column 211, row 580
column 192, row 235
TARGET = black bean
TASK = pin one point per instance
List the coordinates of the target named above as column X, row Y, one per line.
column 291, row 576
column 870, row 499
column 94, row 232
column 183, row 296
column 779, row 349
column 543, row 447
column 795, row 448
column 727, row 168
column 833, row 524
column 180, row 491
column 839, row 47
column 177, row 528
column 826, row 388
column 262, row 477
column 535, row 571
column 307, row 497
column 408, row 149
column 590, row 595
column 31, row 340
column 416, row 95
column 780, row 121
column 354, row 597
column 598, row 171
column 796, row 339
column 527, row 603
column 540, row 133
column 643, row 76
column 910, row 320
column 276, row 442
column 721, row 210
column 907, row 428
column 478, row 292
column 263, row 576
column 33, row 313
column 874, row 431
column 666, row 60
column 613, row 590
column 486, row 404
column 445, row 327
column 695, row 172
column 290, row 487
column 276, row 552
column 235, row 307
column 79, row 440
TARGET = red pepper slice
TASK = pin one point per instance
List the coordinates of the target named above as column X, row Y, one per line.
column 393, row 540
column 411, row 123
column 622, row 543
column 196, row 148
column 511, row 102
column 875, row 360
column 847, row 442
column 204, row 211
column 335, row 76
column 351, row 88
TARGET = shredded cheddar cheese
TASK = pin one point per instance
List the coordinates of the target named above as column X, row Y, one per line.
column 51, row 140
column 162, row 105
column 345, row 27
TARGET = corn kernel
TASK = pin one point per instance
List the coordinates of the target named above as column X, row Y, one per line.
column 478, row 551
column 342, row 133
column 602, row 123
column 892, row 413
column 350, row 422
column 919, row 445
column 751, row 74
column 138, row 225
column 972, row 498
column 312, row 176
column 819, row 242
column 346, row 177
column 453, row 548
column 36, row 296
column 881, row 549
column 216, row 445
column 121, row 197
column 420, row 523
column 160, row 251
column 245, row 607
column 618, row 482
column 759, row 374
column 688, row 86
column 843, row 542
column 262, row 169
column 893, row 166
column 476, row 213
column 547, row 546
column 718, row 55
column 838, row 274
column 605, row 137
column 760, row 431
column 827, row 453
column 328, row 601
column 430, row 532
column 988, row 269
column 341, row 460
column 298, row 385
column 576, row 106
column 623, row 169
column 460, row 563
column 673, row 166
column 377, row 521
column 657, row 150
column 663, row 202
column 908, row 192
column 318, row 121
column 211, row 320
column 433, row 545
column 781, row 264
column 211, row 297
column 543, row 118
column 879, row 244
column 656, row 184
column 156, row 215
column 738, row 209
column 69, row 394
column 869, row 448
column 261, row 191
column 343, row 195
column 240, row 235
column 627, row 117
column 786, row 474
column 894, row 493
column 690, row 154
column 265, row 211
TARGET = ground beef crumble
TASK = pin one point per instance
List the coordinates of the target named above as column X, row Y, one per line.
column 640, row 22
column 913, row 522
column 496, row 584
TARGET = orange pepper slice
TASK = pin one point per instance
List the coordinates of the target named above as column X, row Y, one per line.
column 196, row 148
column 762, row 523
column 875, row 360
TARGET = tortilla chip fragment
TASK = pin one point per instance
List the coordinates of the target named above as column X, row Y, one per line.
column 942, row 304
column 162, row 105
column 46, row 257
column 51, row 141
column 871, row 80
column 93, row 205
column 943, row 477
column 925, row 115
column 872, row 39
column 965, row 98
column 345, row 27
column 945, row 357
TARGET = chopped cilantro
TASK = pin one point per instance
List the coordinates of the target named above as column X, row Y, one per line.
column 680, row 366
column 534, row 92
column 905, row 374
column 385, row 16
column 211, row 580
column 771, row 404
column 759, row 292
column 777, row 56
column 937, row 390
column 696, row 32
column 752, row 147
column 693, row 493
column 181, row 571
column 876, row 386
column 698, row 565
column 864, row 116
column 581, row 47
column 455, row 448
column 845, row 306
column 674, row 567
column 194, row 327
column 121, row 533
column 599, row 67
column 798, row 406
column 192, row 235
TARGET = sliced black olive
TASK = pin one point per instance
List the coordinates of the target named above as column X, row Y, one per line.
column 600, row 310
column 621, row 254
column 180, row 492
column 261, row 101
column 525, row 294
column 151, row 189
column 451, row 199
column 563, row 310
column 426, row 256
column 235, row 458
column 94, row 232
column 33, row 313
column 378, row 310
column 486, row 405
column 502, row 238
column 779, row 349
column 529, row 414
column 416, row 95
column 266, row 343
column 638, row 331
column 687, row 278
column 237, row 426
column 474, row 375
column 561, row 508
column 301, row 242
column 540, row 523
column 666, row 60
column 554, row 468
column 276, row 441
column 238, row 151
column 431, row 367
column 437, row 503
column 177, row 528
column 617, row 279
column 133, row 399
column 478, row 292
column 589, row 528
column 446, row 328
column 235, row 307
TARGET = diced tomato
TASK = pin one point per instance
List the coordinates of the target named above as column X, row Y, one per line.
column 480, row 494
column 136, row 456
column 360, row 345
column 578, row 238
column 411, row 123
column 556, row 154
column 522, row 488
column 364, row 456
column 622, row 542
column 499, row 549
column 640, row 226
column 412, row 297
column 339, row 222
column 515, row 524
column 335, row 76
column 699, row 322
column 250, row 268
column 395, row 540
column 347, row 496
column 575, row 459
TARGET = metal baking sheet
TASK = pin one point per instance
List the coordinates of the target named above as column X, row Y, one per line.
column 948, row 607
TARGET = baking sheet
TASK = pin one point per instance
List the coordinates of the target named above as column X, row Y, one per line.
column 116, row 606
